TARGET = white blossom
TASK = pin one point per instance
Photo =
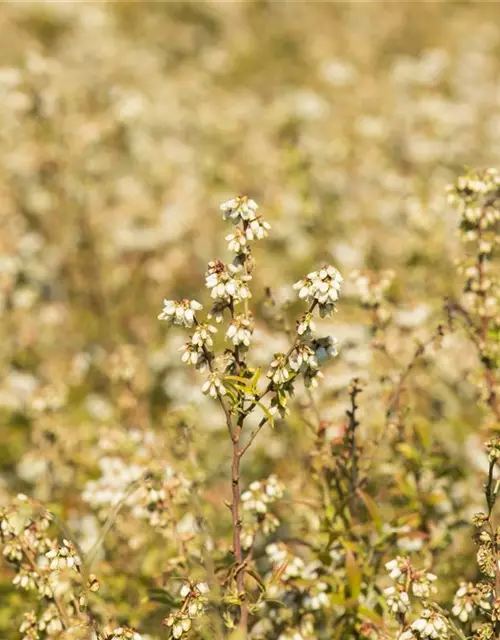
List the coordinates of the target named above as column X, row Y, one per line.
column 257, row 229
column 397, row 601
column 224, row 283
column 278, row 372
column 181, row 312
column 237, row 241
column 322, row 287
column 238, row 209
column 202, row 337
column 430, row 625
column 306, row 324
column 303, row 357
column 213, row 386
column 240, row 331
column 64, row 557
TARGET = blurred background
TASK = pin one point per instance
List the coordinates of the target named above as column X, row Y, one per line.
column 124, row 125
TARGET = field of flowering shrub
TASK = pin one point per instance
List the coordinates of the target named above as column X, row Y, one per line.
column 249, row 320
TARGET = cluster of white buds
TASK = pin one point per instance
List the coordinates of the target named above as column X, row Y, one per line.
column 306, row 324
column 192, row 354
column 214, row 386
column 430, row 624
column 242, row 210
column 239, row 209
column 256, row 502
column 321, row 287
column 197, row 351
column 422, row 584
column 27, row 578
column 29, row 626
column 477, row 198
column 278, row 371
column 226, row 282
column 63, row 557
column 237, row 241
column 470, row 599
column 26, row 543
column 46, row 567
column 180, row 312
column 240, row 331
column 50, row 621
column 421, row 581
column 303, row 358
column 256, row 229
column 202, row 337
column 398, row 600
column 474, row 195
column 317, row 597
column 194, row 597
column 260, row 495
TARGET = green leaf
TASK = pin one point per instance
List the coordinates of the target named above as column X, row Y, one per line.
column 257, row 578
column 372, row 509
column 278, row 572
column 372, row 616
column 238, row 380
column 408, row 451
column 162, row 596
column 267, row 413
column 353, row 573
column 255, row 379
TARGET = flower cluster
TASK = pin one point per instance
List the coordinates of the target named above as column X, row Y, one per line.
column 180, row 312
column 226, row 283
column 239, row 209
column 214, row 387
column 260, row 495
column 150, row 481
column 240, row 331
column 322, row 288
column 47, row 567
column 63, row 557
column 371, row 289
column 430, row 624
column 402, row 572
column 194, row 597
column 198, row 350
column 470, row 599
